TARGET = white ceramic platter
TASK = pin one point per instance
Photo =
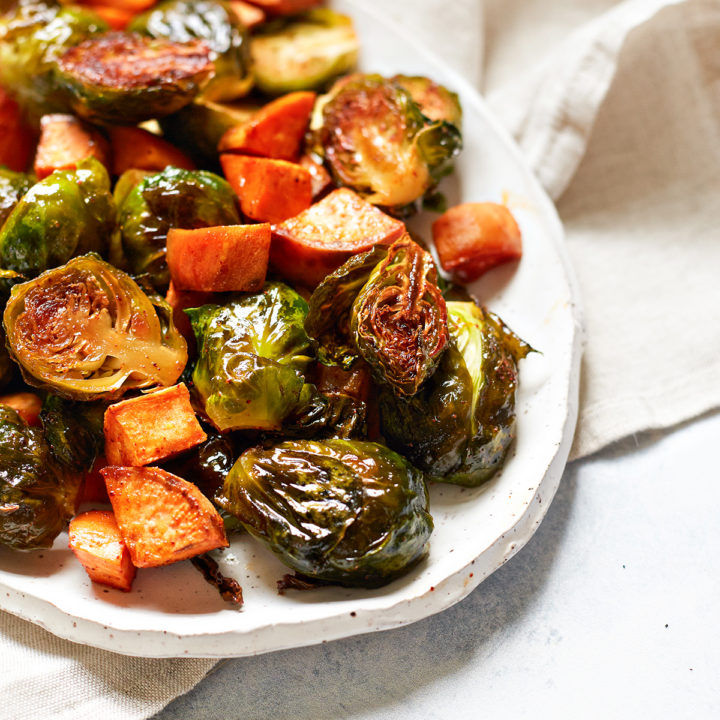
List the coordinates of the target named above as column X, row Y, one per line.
column 172, row 611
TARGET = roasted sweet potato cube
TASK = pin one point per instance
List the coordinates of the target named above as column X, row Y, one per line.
column 64, row 141
column 151, row 427
column 321, row 180
column 118, row 18
column 276, row 131
column 249, row 15
column 16, row 137
column 26, row 404
column 93, row 488
column 162, row 517
column 134, row 147
column 179, row 301
column 96, row 541
column 269, row 190
column 472, row 238
column 233, row 258
column 319, row 240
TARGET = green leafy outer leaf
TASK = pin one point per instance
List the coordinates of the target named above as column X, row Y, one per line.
column 12, row 187
column 459, row 426
column 37, row 495
column 349, row 512
column 217, row 25
column 69, row 213
column 33, row 37
column 399, row 319
column 330, row 308
column 435, row 101
column 173, row 198
column 252, row 352
column 87, row 331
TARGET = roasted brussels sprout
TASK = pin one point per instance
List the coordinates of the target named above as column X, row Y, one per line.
column 174, row 198
column 459, row 426
column 124, row 79
column 303, row 52
column 435, row 101
column 348, row 512
column 385, row 306
column 12, row 187
column 376, row 141
column 33, row 36
column 87, row 331
column 213, row 22
column 252, row 352
column 69, row 213
column 37, row 496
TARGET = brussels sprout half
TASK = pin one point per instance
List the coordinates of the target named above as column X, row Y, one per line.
column 210, row 21
column 348, row 512
column 459, row 426
column 87, row 331
column 123, row 78
column 303, row 52
column 69, row 213
column 37, row 496
column 435, row 101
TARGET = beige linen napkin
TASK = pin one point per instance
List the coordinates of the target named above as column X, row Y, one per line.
column 617, row 107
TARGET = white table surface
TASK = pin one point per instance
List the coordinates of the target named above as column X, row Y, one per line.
column 612, row 610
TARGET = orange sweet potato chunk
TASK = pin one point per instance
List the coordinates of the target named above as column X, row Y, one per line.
column 321, row 180
column 16, row 137
column 276, row 131
column 285, row 7
column 93, row 488
column 118, row 18
column 162, row 517
column 268, row 190
column 179, row 301
column 66, row 140
column 26, row 404
column 231, row 258
column 96, row 541
column 134, row 147
column 151, row 427
column 311, row 245
column 472, row 238
column 249, row 15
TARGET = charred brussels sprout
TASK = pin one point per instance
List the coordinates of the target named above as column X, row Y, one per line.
column 459, row 426
column 87, row 331
column 123, row 78
column 174, row 198
column 37, row 496
column 348, row 512
column 252, row 352
column 12, row 187
column 213, row 22
column 33, row 37
column 385, row 306
column 69, row 213
column 435, row 101
column 376, row 141
column 303, row 52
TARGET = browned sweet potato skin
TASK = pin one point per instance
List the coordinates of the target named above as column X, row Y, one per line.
column 151, row 427
column 319, row 240
column 162, row 518
column 219, row 259
column 96, row 541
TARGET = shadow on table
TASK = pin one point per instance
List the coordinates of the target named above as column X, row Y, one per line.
column 366, row 673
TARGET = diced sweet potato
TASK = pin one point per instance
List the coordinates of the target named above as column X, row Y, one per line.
column 162, row 517
column 93, row 488
column 151, row 427
column 134, row 147
column 117, row 18
column 307, row 247
column 473, row 237
column 132, row 6
column 285, row 7
column 180, row 300
column 276, row 131
column 269, row 190
column 96, row 541
column 16, row 137
column 321, row 180
column 249, row 15
column 232, row 258
column 27, row 405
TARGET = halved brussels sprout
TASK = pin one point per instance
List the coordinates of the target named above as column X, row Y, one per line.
column 303, row 52
column 347, row 512
column 385, row 306
column 33, row 35
column 123, row 78
column 459, row 426
column 12, row 187
column 87, row 331
column 37, row 496
column 173, row 198
column 69, row 213
column 213, row 22
column 435, row 101
column 376, row 141
column 252, row 352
